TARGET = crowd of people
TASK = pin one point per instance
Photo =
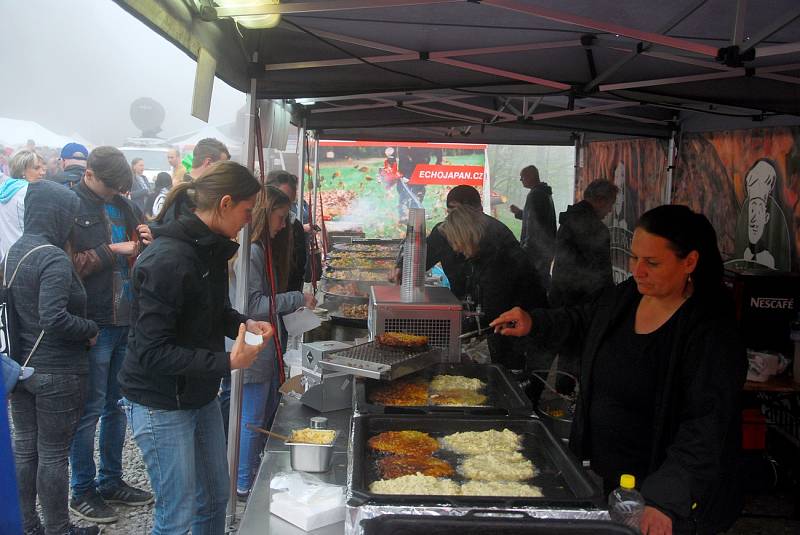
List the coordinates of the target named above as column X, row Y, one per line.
column 122, row 292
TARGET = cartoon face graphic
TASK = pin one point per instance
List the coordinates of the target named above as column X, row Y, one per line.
column 757, row 219
column 759, row 183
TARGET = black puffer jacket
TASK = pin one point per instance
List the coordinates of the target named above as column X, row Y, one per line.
column 181, row 316
column 47, row 291
column 582, row 264
column 697, row 427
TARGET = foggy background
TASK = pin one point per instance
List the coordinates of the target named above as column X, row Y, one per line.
column 76, row 66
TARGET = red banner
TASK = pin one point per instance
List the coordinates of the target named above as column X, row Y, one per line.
column 447, row 175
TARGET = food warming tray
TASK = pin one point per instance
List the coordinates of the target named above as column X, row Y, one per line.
column 562, row 482
column 494, row 522
column 380, row 362
column 505, row 397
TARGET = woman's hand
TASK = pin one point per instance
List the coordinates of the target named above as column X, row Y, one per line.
column 654, row 522
column 243, row 355
column 514, row 322
column 310, row 301
column 395, row 276
column 264, row 328
column 144, row 234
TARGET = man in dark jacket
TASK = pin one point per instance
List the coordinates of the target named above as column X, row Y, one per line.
column 107, row 237
column 582, row 263
column 538, row 235
column 73, row 162
column 287, row 183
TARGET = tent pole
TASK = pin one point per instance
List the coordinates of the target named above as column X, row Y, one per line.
column 315, row 181
column 578, row 165
column 241, row 273
column 670, row 168
column 301, row 175
column 487, row 184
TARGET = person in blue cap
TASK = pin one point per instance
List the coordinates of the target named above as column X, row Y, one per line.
column 73, row 164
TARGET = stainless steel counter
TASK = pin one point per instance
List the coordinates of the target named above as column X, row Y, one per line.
column 257, row 519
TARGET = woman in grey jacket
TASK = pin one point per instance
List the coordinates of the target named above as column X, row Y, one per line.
column 50, row 304
column 260, row 395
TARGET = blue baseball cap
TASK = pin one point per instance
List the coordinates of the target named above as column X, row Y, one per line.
column 74, row 151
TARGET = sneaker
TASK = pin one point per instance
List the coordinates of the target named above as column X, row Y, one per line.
column 75, row 530
column 242, row 495
column 92, row 507
column 125, row 494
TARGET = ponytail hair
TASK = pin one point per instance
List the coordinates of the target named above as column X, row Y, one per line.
column 688, row 231
column 205, row 193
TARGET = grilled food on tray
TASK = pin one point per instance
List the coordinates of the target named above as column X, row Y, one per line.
column 406, row 340
column 404, row 443
column 361, row 263
column 416, row 484
column 497, row 466
column 400, row 393
column 347, row 290
column 500, row 488
column 458, row 398
column 356, row 275
column 369, row 248
column 476, row 442
column 404, row 465
column 455, row 382
column 356, row 312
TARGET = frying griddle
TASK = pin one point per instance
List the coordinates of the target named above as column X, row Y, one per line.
column 494, row 522
column 562, row 482
column 505, row 397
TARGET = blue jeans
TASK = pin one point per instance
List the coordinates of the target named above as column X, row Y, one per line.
column 259, row 403
column 46, row 409
column 105, row 360
column 184, row 451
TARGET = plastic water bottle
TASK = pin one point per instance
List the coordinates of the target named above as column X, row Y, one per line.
column 625, row 504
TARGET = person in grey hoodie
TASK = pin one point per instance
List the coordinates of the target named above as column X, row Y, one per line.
column 50, row 304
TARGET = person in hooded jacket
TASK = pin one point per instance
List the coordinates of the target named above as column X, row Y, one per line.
column 176, row 349
column 538, row 236
column 25, row 167
column 662, row 371
column 50, row 305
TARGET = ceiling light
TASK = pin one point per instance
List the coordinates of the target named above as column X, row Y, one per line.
column 252, row 21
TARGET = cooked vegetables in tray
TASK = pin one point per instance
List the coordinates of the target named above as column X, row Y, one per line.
column 446, row 390
column 489, row 464
column 360, row 263
column 356, row 275
column 400, row 339
column 388, row 250
column 355, row 312
column 349, row 289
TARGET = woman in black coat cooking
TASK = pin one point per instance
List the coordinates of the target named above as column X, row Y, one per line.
column 662, row 369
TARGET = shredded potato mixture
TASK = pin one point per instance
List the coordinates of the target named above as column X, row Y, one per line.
column 415, row 484
column 476, row 442
column 313, row 436
column 500, row 488
column 455, row 382
column 497, row 466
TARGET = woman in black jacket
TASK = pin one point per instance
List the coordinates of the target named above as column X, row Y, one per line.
column 662, row 369
column 176, row 350
column 50, row 305
column 493, row 275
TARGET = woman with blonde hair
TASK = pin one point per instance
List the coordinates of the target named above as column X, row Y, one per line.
column 25, row 167
column 495, row 274
column 271, row 255
column 176, row 350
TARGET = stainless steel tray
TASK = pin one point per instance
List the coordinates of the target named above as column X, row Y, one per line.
column 380, row 362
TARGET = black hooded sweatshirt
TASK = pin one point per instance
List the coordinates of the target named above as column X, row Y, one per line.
column 47, row 292
column 181, row 315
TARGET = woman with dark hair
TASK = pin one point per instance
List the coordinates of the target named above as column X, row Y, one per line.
column 176, row 349
column 662, row 369
column 159, row 195
column 271, row 244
